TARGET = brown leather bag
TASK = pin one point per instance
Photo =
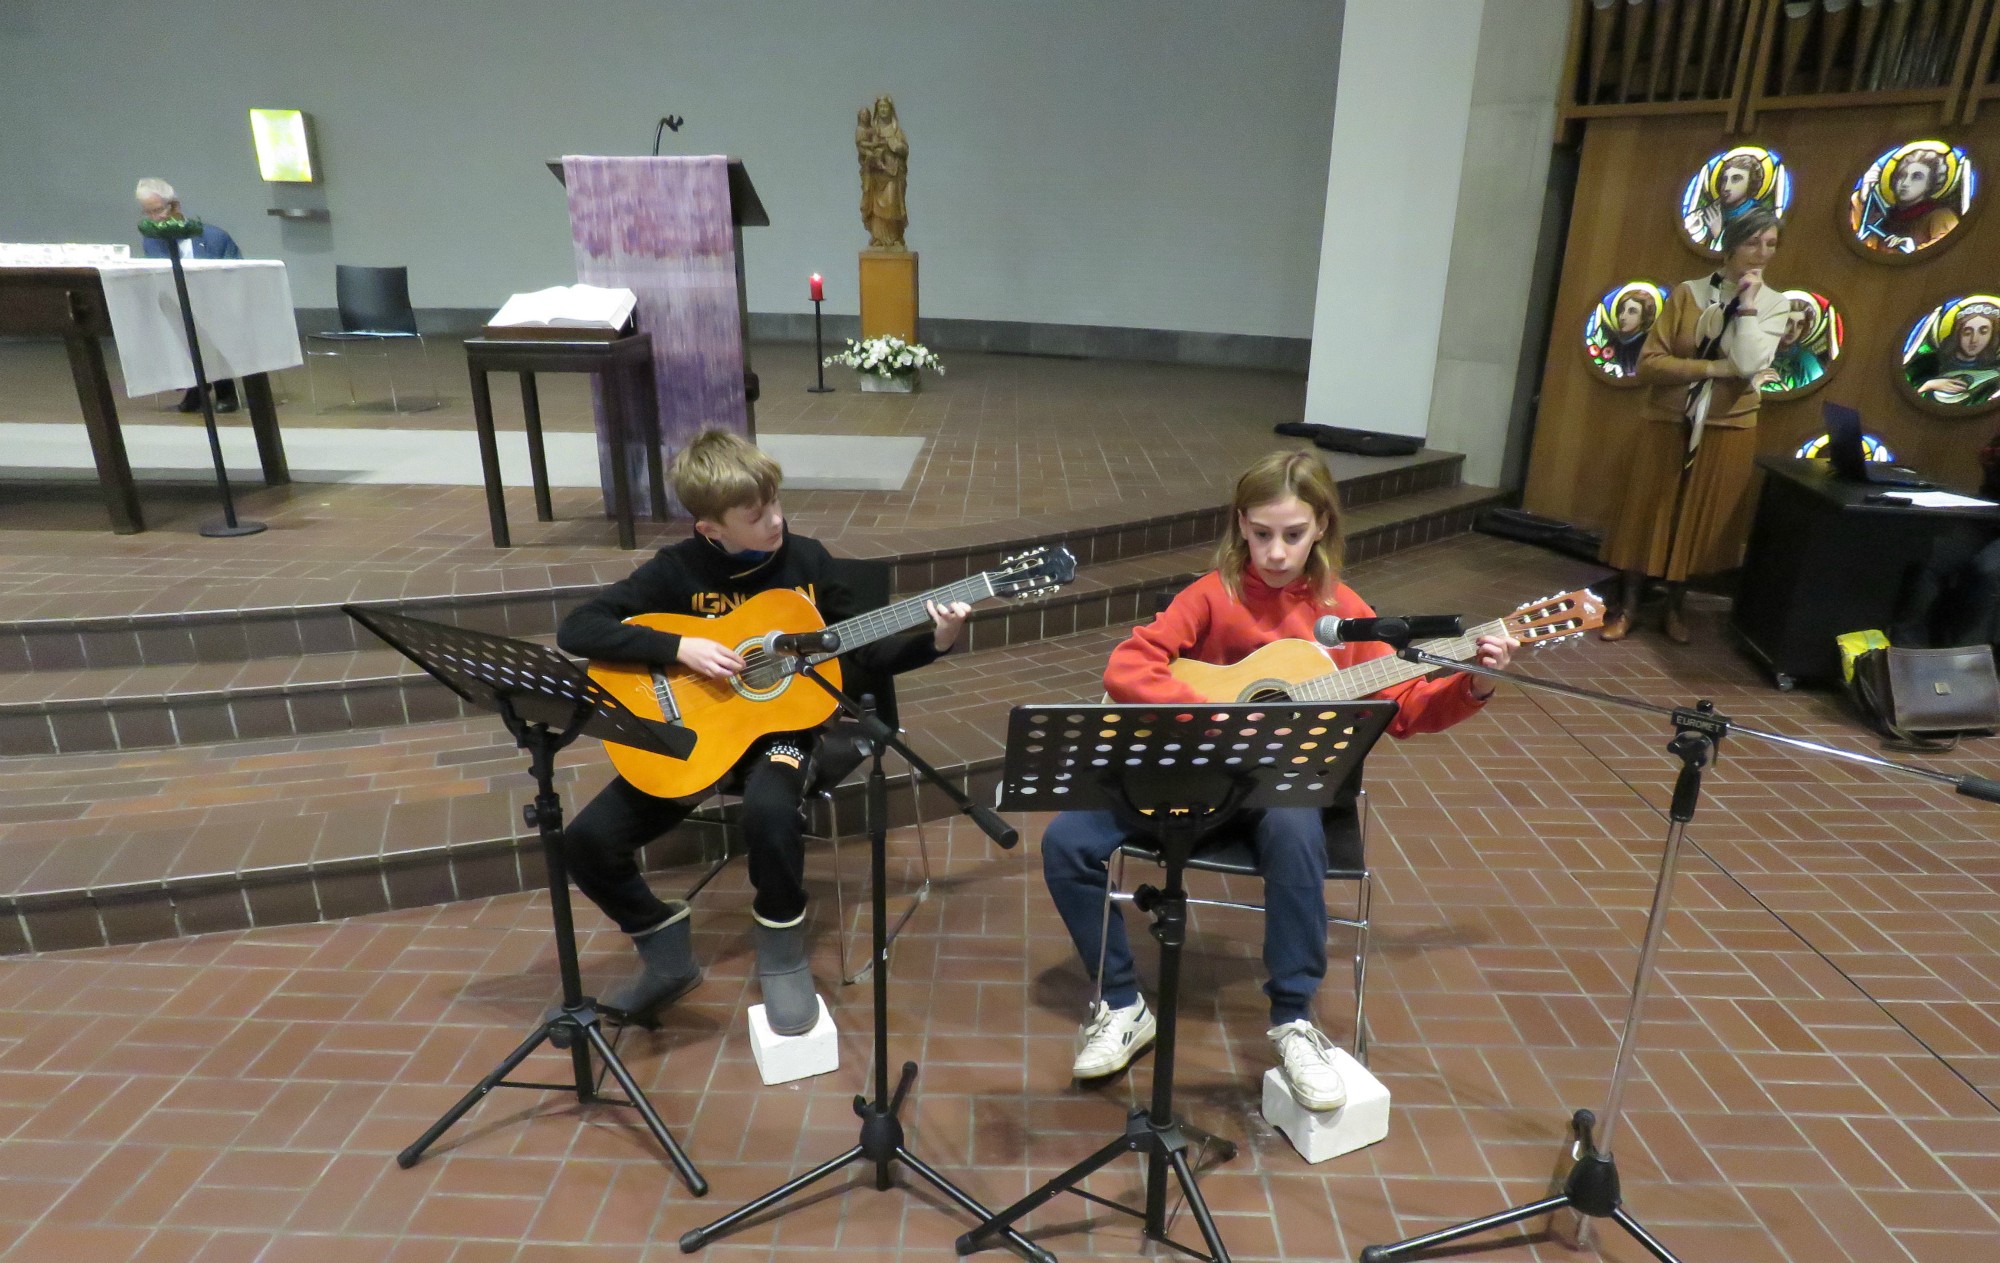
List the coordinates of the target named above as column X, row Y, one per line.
column 1915, row 697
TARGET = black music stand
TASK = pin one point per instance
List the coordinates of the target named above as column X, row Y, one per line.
column 547, row 702
column 1172, row 773
column 881, row 1143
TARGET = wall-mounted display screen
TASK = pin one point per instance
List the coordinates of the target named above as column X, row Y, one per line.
column 284, row 150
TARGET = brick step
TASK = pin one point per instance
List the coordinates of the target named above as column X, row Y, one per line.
column 132, row 708
column 136, row 707
column 126, row 846
column 123, row 847
column 528, row 600
column 114, row 708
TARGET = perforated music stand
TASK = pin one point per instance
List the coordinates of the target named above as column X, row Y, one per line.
column 547, row 702
column 1172, row 773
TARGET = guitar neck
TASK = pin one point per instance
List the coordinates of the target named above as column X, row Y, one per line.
column 1376, row 674
column 901, row 616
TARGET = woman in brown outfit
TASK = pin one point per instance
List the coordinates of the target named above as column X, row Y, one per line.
column 1687, row 498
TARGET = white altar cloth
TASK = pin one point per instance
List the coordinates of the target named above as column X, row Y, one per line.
column 242, row 311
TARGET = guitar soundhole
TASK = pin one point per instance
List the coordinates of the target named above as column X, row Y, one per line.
column 763, row 676
column 1266, row 691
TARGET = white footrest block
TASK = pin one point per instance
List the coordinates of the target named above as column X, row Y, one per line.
column 1322, row 1134
column 783, row 1058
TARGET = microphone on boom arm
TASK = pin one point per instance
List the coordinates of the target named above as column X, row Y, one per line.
column 1399, row 632
column 802, row 644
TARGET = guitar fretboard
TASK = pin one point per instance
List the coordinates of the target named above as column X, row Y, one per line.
column 1377, row 674
column 902, row 615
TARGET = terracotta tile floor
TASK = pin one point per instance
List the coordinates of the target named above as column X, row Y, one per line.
column 1817, row 1082
column 1060, row 442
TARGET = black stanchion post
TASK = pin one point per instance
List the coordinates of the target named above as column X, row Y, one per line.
column 172, row 235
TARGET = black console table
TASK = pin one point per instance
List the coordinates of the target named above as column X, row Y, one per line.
column 1823, row 560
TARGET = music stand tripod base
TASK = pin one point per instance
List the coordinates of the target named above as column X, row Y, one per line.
column 546, row 702
column 882, row 1140
column 1172, row 772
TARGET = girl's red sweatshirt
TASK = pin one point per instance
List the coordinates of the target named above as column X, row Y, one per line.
column 1207, row 624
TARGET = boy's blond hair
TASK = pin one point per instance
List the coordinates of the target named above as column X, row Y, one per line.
column 1280, row 476
column 720, row 471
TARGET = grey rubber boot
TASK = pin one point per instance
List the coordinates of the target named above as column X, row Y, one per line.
column 791, row 1002
column 667, row 968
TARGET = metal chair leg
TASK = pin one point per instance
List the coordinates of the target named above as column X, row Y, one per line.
column 721, row 862
column 1362, row 899
column 389, row 368
column 430, row 372
column 917, row 897
column 1361, row 967
column 1113, row 890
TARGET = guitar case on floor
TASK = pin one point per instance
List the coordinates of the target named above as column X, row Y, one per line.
column 1545, row 532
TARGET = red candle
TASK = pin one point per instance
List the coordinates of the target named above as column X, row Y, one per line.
column 818, row 287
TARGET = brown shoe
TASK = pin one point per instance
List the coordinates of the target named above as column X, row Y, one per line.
column 1616, row 626
column 1677, row 624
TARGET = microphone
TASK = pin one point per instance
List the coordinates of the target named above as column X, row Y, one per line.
column 1395, row 631
column 802, row 643
column 671, row 122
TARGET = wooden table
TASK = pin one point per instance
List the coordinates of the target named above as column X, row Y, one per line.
column 68, row 303
column 631, row 406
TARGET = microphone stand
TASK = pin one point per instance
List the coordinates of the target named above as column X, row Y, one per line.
column 881, row 1143
column 1591, row 1188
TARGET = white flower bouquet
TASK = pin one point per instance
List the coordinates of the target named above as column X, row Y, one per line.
column 889, row 357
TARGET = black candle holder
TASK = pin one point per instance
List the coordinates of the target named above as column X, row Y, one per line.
column 819, row 356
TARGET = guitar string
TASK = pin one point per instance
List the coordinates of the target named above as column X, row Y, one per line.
column 898, row 616
column 1377, row 674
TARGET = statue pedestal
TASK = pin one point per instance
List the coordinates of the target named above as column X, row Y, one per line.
column 889, row 294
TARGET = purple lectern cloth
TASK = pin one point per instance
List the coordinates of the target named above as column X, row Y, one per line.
column 660, row 227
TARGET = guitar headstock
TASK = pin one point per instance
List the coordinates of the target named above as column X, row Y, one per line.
column 1033, row 573
column 1556, row 618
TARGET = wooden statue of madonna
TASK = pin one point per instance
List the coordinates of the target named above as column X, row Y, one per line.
column 888, row 267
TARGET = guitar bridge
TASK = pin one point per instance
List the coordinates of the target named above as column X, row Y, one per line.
column 663, row 693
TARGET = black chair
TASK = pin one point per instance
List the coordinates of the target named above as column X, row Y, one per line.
column 375, row 314
column 840, row 755
column 1228, row 851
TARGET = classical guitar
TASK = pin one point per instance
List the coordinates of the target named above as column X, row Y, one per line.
column 767, row 696
column 1296, row 669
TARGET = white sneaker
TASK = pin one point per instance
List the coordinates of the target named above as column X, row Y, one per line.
column 1305, row 1058
column 1112, row 1037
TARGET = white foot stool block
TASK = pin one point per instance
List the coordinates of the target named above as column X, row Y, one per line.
column 1322, row 1134
column 783, row 1058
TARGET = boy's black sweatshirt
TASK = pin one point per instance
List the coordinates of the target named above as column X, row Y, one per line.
column 696, row 577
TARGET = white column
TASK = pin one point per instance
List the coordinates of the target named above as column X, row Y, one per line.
column 1399, row 125
column 1501, row 194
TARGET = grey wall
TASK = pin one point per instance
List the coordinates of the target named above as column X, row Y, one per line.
column 1147, row 163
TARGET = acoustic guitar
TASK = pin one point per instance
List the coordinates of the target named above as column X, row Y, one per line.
column 1295, row 670
column 767, row 696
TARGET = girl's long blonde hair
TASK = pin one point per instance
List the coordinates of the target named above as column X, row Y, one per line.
column 1280, row 476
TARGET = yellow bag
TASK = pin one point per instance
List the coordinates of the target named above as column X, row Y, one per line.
column 1853, row 645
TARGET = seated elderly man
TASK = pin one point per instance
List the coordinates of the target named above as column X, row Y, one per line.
column 157, row 200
